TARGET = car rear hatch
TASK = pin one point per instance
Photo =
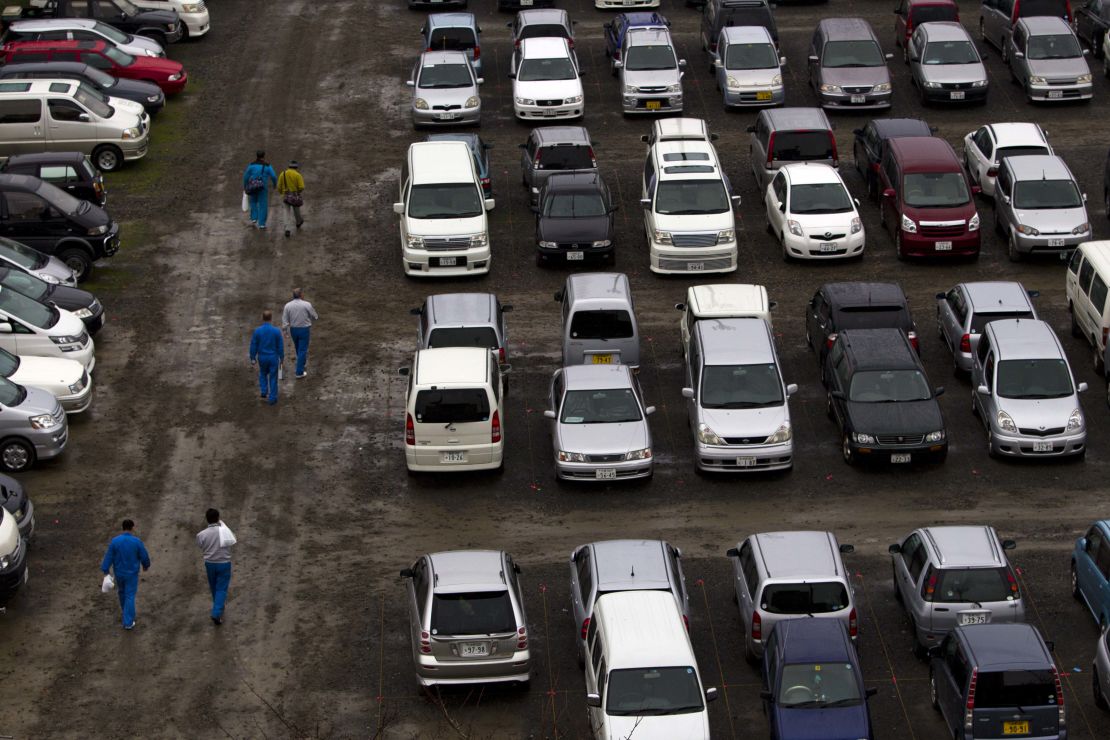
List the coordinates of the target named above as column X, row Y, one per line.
column 801, row 146
column 965, row 596
column 454, row 425
column 473, row 625
column 1020, row 702
column 1030, row 8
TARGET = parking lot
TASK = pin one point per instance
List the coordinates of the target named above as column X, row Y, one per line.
column 315, row 642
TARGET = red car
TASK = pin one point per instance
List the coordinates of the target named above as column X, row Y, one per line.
column 165, row 73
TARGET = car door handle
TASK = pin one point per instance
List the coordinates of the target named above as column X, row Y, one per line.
column 940, row 608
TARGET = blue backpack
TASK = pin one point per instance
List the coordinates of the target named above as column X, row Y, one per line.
column 255, row 183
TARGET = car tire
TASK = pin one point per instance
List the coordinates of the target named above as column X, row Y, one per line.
column 79, row 261
column 974, row 408
column 785, row 252
column 16, row 455
column 809, row 338
column 1100, row 700
column 1075, row 583
column 990, row 442
column 1005, row 52
column 933, row 698
column 107, row 158
column 846, row 450
column 1012, row 250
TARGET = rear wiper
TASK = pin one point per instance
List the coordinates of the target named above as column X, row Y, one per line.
column 841, row 702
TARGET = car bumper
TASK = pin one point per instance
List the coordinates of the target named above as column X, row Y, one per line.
column 135, row 148
column 544, row 112
column 754, row 97
column 1049, row 242
column 962, row 360
column 524, row 4
column 27, row 522
column 420, row 458
column 667, row 259
column 78, row 402
column 436, row 3
column 420, row 263
column 660, row 103
column 941, row 95
column 1056, row 93
column 462, row 117
column 197, row 24
column 809, row 247
column 867, row 101
column 565, row 252
column 918, row 453
column 14, row 576
column 622, row 470
column 917, row 245
column 431, row 671
column 612, row 4
column 744, row 458
column 49, row 443
column 1021, row 445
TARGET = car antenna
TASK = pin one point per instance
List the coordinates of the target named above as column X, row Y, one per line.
column 633, row 575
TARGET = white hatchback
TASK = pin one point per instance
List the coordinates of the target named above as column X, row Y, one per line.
column 811, row 212
column 547, row 83
column 68, row 380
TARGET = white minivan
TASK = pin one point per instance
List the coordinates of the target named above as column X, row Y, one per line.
column 453, row 410
column 722, row 301
column 444, row 232
column 28, row 327
column 1086, row 285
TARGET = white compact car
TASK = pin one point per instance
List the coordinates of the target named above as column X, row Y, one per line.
column 28, row 327
column 68, row 380
column 546, row 80
column 986, row 146
column 811, row 212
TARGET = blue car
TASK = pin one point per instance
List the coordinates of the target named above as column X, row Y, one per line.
column 618, row 27
column 1090, row 571
column 480, row 150
column 812, row 684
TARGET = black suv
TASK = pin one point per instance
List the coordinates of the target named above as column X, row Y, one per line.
column 82, row 303
column 997, row 680
column 574, row 219
column 837, row 306
column 880, row 397
column 147, row 94
column 73, row 172
column 52, row 221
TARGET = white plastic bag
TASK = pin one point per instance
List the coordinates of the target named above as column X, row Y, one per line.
column 246, row 203
column 227, row 537
column 108, row 583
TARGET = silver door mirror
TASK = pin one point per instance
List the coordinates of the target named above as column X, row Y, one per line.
column 651, row 409
column 645, row 202
column 481, row 80
column 399, row 208
column 593, row 700
column 489, row 203
column 710, row 694
column 782, row 61
column 83, row 117
column 791, row 389
column 984, row 390
column 1082, row 388
column 549, row 413
column 686, row 392
column 1019, row 55
column 410, row 83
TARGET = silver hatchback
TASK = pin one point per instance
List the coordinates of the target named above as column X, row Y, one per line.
column 599, row 427
column 1038, row 206
column 964, row 311
column 945, row 65
column 33, row 426
column 445, row 90
column 1046, row 59
column 748, row 67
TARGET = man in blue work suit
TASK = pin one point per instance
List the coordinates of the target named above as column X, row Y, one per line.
column 257, row 180
column 268, row 348
column 125, row 554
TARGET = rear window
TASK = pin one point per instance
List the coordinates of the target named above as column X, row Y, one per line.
column 1011, row 689
column 799, row 146
column 872, row 317
column 446, row 405
column 758, row 16
column 464, row 336
column 804, row 598
column 974, row 585
column 931, row 13
column 604, row 324
column 1029, row 8
column 480, row 613
column 451, row 39
column 979, row 321
column 565, row 157
column 549, row 30
column 1017, row 151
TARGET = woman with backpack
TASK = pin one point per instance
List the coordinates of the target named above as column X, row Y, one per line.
column 257, row 180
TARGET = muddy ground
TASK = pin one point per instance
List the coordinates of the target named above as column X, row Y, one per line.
column 315, row 640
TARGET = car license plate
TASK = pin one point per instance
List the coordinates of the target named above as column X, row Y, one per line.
column 1015, row 728
column 526, row 3
column 450, row 457
column 601, row 359
column 956, row 95
column 695, row 266
column 944, row 246
column 448, row 261
column 446, row 116
column 653, row 104
column 827, row 246
column 1040, row 446
column 974, row 618
column 605, row 473
column 859, row 99
column 1055, row 242
column 473, row 649
column 900, row 457
column 549, row 114
column 745, row 462
column 763, row 95
column 1053, row 94
column 572, row 256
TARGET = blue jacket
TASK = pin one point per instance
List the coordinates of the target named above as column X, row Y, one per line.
column 260, row 169
column 125, row 553
column 266, row 342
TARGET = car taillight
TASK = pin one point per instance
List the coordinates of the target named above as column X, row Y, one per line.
column 585, row 626
column 570, row 43
column 836, row 158
column 1105, row 334
column 912, row 336
column 686, row 622
column 425, row 642
column 593, row 159
column 757, row 626
column 1012, row 581
column 485, row 182
column 930, row 587
column 521, row 638
column 501, row 355
column 770, row 150
column 853, row 623
column 965, row 343
column 410, row 430
column 517, row 44
column 1059, row 697
column 830, row 340
column 971, row 699
column 495, row 428
column 992, row 172
column 536, row 163
column 477, row 52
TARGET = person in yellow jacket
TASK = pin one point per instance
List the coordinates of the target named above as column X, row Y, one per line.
column 291, row 186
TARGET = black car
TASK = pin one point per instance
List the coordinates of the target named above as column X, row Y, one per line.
column 73, row 172
column 15, row 500
column 83, row 304
column 838, row 306
column 1091, row 23
column 52, row 221
column 868, row 145
column 164, row 26
column 147, row 94
column 574, row 218
column 880, row 397
column 1106, row 184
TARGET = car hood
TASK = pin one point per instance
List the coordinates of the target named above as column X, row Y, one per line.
column 48, row 373
column 652, row 77
column 854, row 75
column 156, row 65
column 445, row 95
column 834, row 223
column 754, row 424
column 141, row 45
column 1039, row 413
column 39, row 401
column 953, row 72
column 1054, row 68
column 136, row 88
column 1052, row 220
column 905, row 417
column 547, row 89
column 126, row 110
column 603, row 439
column 71, row 299
column 695, row 222
column 446, row 226
column 839, row 723
column 755, row 77
column 963, row 212
column 668, row 727
column 160, row 17
column 56, row 269
column 588, row 229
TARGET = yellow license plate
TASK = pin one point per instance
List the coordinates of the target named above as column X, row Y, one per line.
column 765, row 95
column 602, row 359
column 1015, row 728
column 653, row 105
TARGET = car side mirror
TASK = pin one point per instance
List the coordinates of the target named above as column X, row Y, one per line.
column 593, row 700
column 614, row 208
column 732, row 552
column 686, row 392
column 681, row 63
column 1008, row 544
column 549, row 413
column 838, row 395
column 847, row 549
column 481, row 80
column 870, row 692
column 812, row 58
column 644, row 138
column 714, row 137
column 715, row 64
column 735, row 200
column 782, row 61
column 984, row 390
column 934, row 651
column 536, row 210
column 506, row 308
column 1051, row 644
column 618, row 64
column 711, row 694
column 1019, row 55
column 521, row 146
column 888, row 192
column 1082, row 543
column 410, row 83
column 680, row 306
column 582, row 72
column 645, row 202
column 489, row 203
column 1086, row 52
column 1082, row 388
column 505, row 368
column 516, row 568
column 648, row 411
column 399, row 208
column 857, row 131
column 894, row 549
column 856, row 201
column 938, row 391
column 782, row 207
column 406, row 573
column 512, row 75
column 976, row 189
column 750, row 129
column 1005, row 198
column 1084, row 197
column 766, row 696
column 416, row 311
column 791, row 389
column 941, row 296
column 772, row 305
column 888, row 56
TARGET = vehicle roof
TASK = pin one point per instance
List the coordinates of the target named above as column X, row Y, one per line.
column 1044, row 25
column 455, row 568
column 797, row 118
column 945, row 31
column 597, row 377
column 574, row 180
column 549, row 135
column 630, row 564
column 443, row 57
column 888, row 128
column 924, row 154
column 86, row 45
column 1002, row 646
column 677, row 129
column 1098, row 254
column 686, row 146
column 858, row 293
column 440, row 162
column 746, row 34
column 544, row 47
column 461, row 309
column 805, row 173
column 599, row 285
column 739, row 341
column 544, row 16
column 643, row 628
column 61, row 67
column 846, row 29
column 1017, row 134
column 997, row 296
column 879, row 349
column 33, row 23
column 451, row 19
column 1038, row 167
column 649, row 37
column 724, row 299
column 452, row 366
column 644, row 18
column 799, row 554
column 41, row 157
column 25, row 183
column 814, row 641
column 1025, row 339
column 963, row 546
column 37, row 84
column 912, row 3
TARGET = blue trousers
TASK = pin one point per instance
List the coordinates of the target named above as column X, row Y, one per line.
column 219, row 577
column 268, row 377
column 300, row 341
column 127, row 586
column 260, row 206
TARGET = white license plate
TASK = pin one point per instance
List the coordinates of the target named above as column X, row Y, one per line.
column 579, row 256
column 1055, row 242
column 446, row 116
column 1053, row 94
column 605, row 473
column 452, row 457
column 975, row 618
column 448, row 261
column 695, row 266
column 859, row 98
column 827, row 246
column 549, row 114
column 1042, row 447
column 900, row 457
column 473, row 649
column 944, row 246
column 745, row 462
column 956, row 95
column 526, row 3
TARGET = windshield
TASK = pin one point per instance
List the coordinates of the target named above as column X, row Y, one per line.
column 93, row 99
column 883, row 386
column 10, row 393
column 601, row 324
column 818, row 686
column 481, row 613
column 451, row 39
column 27, row 310
column 103, row 79
column 22, row 255
column 820, row 597
column 852, row 54
column 974, row 585
column 1014, row 689
column 61, row 200
column 647, row 57
column 1057, row 46
column 614, row 406
column 445, row 75
column 535, row 70
column 751, row 56
column 873, row 317
column 9, row 363
column 575, row 205
column 445, row 200
column 689, row 197
column 451, row 405
column 112, row 33
column 1038, row 194
column 740, row 386
column 799, row 146
column 464, row 336
column 930, row 13
column 979, row 321
column 1028, row 8
column 1034, row 379
column 950, row 52
column 653, row 691
column 935, row 190
column 823, row 197
column 117, row 56
column 20, row 281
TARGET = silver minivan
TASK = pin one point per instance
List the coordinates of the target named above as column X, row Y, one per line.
column 1047, row 61
column 1024, row 392
column 945, row 65
column 847, row 67
column 1038, row 206
column 748, row 67
column 649, row 72
column 598, row 320
column 33, row 426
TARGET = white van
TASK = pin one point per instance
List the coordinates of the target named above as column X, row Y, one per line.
column 641, row 676
column 453, row 410
column 1085, row 284
column 444, row 232
column 722, row 301
column 28, row 327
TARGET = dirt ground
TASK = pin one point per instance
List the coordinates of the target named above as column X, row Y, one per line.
column 315, row 640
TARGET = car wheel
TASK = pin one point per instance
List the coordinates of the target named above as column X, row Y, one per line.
column 16, row 455
column 974, row 408
column 846, row 450
column 990, row 441
column 1075, row 330
column 1012, row 250
column 809, row 338
column 1096, row 687
column 107, row 158
column 1075, row 582
column 77, row 260
column 1005, row 51
column 933, row 698
column 1106, row 65
column 785, row 252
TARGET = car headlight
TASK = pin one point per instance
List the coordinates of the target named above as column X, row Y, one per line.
column 471, row 102
column 415, row 242
column 1081, row 79
column 930, row 83
column 725, row 236
column 937, row 436
column 830, row 88
column 644, row 454
column 707, row 436
column 973, row 224
column 1027, row 230
column 420, row 104
column 190, row 8
column 7, row 559
column 881, row 87
column 43, row 421
column 1082, row 228
column 525, row 101
column 979, row 83
column 1075, row 421
column 83, row 313
column 863, row 439
column 795, row 228
column 674, row 88
column 152, row 98
column 783, row 434
column 65, row 340
column 548, row 245
column 733, row 83
column 1005, row 422
column 908, row 225
column 1034, row 80
column 601, row 243
column 776, row 81
column 573, row 99
column 478, row 240
column 77, row 387
column 131, row 133
column 663, row 237
column 48, row 278
column 97, row 230
column 857, row 225
column 631, row 89
column 171, row 27
column 175, row 77
column 565, row 456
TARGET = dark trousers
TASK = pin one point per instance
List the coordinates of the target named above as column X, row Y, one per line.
column 219, row 578
column 300, row 337
column 268, row 377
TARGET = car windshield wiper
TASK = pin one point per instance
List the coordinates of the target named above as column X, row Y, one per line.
column 842, row 702
column 740, row 405
column 824, row 210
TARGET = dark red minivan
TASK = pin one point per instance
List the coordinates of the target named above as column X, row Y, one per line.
column 927, row 202
column 912, row 13
column 165, row 73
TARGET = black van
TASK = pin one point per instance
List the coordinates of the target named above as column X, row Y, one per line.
column 721, row 13
column 71, row 171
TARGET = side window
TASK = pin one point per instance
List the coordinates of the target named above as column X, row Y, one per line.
column 602, row 675
column 1085, row 274
column 25, row 206
column 779, row 186
column 1004, row 179
column 1094, row 541
column 988, row 371
column 672, row 556
column 585, row 574
column 649, row 174
column 840, row 370
column 598, row 649
column 1103, row 561
column 64, row 110
column 95, row 60
column 421, row 584
column 918, row 558
column 1098, row 293
column 957, row 305
column 1074, row 262
column 836, row 354
column 591, row 634
column 957, row 664
column 747, row 565
column 20, row 111
column 695, row 366
column 984, row 348
column 108, row 8
column 79, row 8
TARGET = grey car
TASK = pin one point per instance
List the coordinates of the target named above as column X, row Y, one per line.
column 43, row 266
column 599, row 428
column 33, row 426
column 464, row 320
column 1024, row 392
column 534, row 23
column 847, row 67
column 554, row 149
column 945, row 66
column 1046, row 59
column 947, row 577
column 649, row 72
column 445, row 90
column 748, row 67
column 623, row 565
column 1038, row 206
column 1100, row 670
column 964, row 311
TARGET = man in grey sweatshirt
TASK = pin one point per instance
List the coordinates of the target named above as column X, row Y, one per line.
column 217, row 562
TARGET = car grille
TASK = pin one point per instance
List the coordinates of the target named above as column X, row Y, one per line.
column 570, row 245
column 652, row 90
column 955, row 86
column 549, row 103
column 744, row 440
column 449, row 244
column 1064, row 81
column 1042, row 432
column 709, row 263
column 694, row 240
column 446, row 107
column 826, row 237
column 83, row 339
column 59, row 415
column 605, row 458
column 857, row 90
column 955, row 230
column 894, row 439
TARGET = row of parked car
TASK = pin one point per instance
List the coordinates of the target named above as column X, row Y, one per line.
column 990, row 673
